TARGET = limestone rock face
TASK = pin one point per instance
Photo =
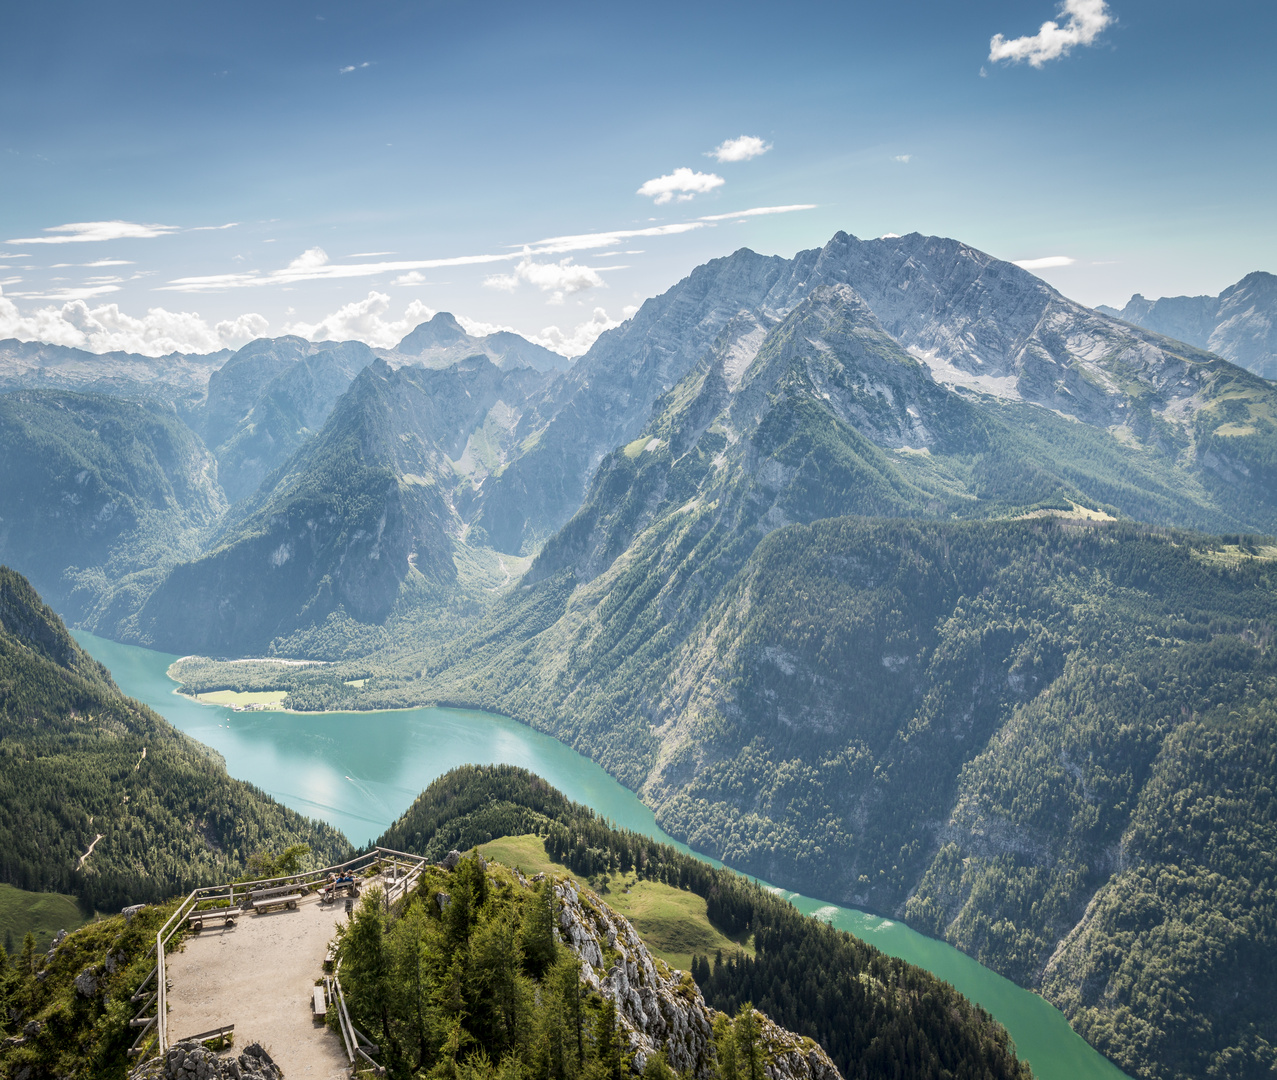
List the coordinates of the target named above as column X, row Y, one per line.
column 660, row 1008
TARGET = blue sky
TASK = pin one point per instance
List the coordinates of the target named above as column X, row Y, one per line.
column 375, row 162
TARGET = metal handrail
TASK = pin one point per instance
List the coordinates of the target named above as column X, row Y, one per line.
column 228, row 889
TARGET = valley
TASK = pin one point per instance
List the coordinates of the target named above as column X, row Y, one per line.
column 359, row 772
column 885, row 571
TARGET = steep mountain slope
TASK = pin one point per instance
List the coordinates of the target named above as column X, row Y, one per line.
column 1047, row 743
column 285, row 409
column 1240, row 324
column 977, row 323
column 367, row 506
column 177, row 378
column 102, row 798
column 98, row 493
column 442, row 341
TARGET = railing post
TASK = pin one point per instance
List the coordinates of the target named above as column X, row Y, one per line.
column 161, row 1021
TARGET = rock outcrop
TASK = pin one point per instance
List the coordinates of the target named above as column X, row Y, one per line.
column 193, row 1061
column 660, row 1008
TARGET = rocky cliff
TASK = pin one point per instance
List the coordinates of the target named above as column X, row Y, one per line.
column 659, row 1008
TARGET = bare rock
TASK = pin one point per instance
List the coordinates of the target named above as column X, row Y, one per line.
column 662, row 1009
column 86, row 983
column 451, row 859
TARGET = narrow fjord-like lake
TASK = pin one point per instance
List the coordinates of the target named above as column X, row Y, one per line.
column 360, row 771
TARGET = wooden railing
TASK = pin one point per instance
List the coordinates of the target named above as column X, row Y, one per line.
column 405, row 870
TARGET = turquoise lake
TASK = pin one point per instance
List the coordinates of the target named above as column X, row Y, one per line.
column 360, row 771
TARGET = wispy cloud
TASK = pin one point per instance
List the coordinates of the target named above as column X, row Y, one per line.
column 73, row 292
column 563, row 278
column 213, row 228
column 1045, row 263
column 313, row 265
column 354, row 67
column 759, row 211
column 562, row 245
column 681, row 185
column 96, row 262
column 94, row 231
column 368, row 254
column 1084, row 21
column 739, row 149
column 902, row 158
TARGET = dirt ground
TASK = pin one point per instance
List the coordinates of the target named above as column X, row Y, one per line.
column 260, row 977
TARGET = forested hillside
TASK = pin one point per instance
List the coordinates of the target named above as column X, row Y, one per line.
column 98, row 495
column 876, row 1016
column 101, row 798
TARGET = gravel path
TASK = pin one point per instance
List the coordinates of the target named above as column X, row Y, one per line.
column 260, row 977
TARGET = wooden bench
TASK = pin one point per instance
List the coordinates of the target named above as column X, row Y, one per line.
column 197, row 919
column 318, row 1005
column 285, row 896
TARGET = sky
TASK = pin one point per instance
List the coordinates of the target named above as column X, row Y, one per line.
column 183, row 176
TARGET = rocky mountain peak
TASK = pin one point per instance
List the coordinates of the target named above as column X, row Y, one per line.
column 441, row 331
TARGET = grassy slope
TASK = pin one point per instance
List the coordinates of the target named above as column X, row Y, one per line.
column 40, row 913
column 673, row 923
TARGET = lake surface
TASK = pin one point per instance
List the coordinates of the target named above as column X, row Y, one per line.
column 360, row 771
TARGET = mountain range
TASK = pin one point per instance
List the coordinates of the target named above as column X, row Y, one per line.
column 1240, row 324
column 886, row 570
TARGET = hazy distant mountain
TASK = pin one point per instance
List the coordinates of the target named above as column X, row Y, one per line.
column 1240, row 324
column 365, row 507
column 269, row 398
column 177, row 377
column 442, row 341
column 95, row 491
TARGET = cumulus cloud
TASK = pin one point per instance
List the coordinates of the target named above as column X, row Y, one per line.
column 93, row 231
column 563, row 278
column 578, row 340
column 1084, row 20
column 902, row 158
column 681, row 185
column 412, row 277
column 365, row 320
column 740, row 149
column 1044, row 263
column 107, row 329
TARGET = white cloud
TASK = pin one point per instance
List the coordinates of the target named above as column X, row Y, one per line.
column 240, row 331
column 577, row 341
column 902, row 158
column 1086, row 19
column 1044, row 263
column 563, row 277
column 682, row 184
column 759, row 211
column 364, row 320
column 213, row 228
column 73, row 292
column 354, row 67
column 107, row 328
column 313, row 265
column 741, row 149
column 561, row 245
column 412, row 277
column 92, row 231
column 482, row 329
